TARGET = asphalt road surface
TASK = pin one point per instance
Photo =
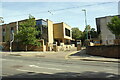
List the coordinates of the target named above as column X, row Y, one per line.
column 40, row 67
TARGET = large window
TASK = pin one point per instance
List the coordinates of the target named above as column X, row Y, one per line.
column 12, row 30
column 11, row 33
column 67, row 32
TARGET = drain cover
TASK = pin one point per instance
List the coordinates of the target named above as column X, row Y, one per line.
column 17, row 66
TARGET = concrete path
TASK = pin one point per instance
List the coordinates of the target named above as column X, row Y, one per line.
column 47, row 54
column 81, row 55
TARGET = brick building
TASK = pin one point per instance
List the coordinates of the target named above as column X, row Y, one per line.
column 49, row 32
column 105, row 34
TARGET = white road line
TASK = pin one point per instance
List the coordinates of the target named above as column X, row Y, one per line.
column 107, row 69
column 54, row 68
column 11, row 60
column 110, row 76
column 33, row 71
column 44, row 67
column 55, row 65
column 2, row 59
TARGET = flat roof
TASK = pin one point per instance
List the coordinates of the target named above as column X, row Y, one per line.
column 107, row 16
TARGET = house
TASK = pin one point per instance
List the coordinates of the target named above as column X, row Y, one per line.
column 105, row 34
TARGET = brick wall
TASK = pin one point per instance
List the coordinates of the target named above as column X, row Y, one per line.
column 21, row 47
column 112, row 51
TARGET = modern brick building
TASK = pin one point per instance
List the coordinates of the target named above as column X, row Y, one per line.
column 49, row 32
column 46, row 30
column 105, row 34
column 62, row 33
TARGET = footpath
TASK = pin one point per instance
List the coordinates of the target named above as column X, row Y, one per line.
column 77, row 55
column 81, row 55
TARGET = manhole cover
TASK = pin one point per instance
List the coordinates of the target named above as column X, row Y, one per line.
column 40, row 56
column 17, row 66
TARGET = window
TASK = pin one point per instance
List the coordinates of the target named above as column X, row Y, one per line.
column 12, row 30
column 67, row 32
column 11, row 33
column 3, row 33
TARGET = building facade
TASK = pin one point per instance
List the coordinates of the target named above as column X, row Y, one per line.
column 105, row 34
column 62, row 33
column 49, row 32
column 46, row 30
column 0, row 34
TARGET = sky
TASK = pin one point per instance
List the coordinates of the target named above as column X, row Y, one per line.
column 69, row 12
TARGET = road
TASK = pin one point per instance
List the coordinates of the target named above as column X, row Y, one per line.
column 40, row 67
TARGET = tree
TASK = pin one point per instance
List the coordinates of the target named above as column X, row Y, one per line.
column 93, row 33
column 27, row 32
column 86, row 32
column 87, row 28
column 76, row 33
column 90, row 32
column 114, row 25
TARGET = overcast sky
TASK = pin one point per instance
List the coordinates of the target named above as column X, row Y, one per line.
column 68, row 12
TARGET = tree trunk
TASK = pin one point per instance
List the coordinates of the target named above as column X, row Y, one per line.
column 26, row 47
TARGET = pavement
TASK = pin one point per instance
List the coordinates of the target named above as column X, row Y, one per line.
column 77, row 55
column 81, row 55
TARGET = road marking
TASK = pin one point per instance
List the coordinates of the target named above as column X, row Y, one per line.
column 54, row 68
column 110, row 76
column 10, row 60
column 55, row 65
column 24, row 70
column 33, row 71
column 2, row 59
column 35, row 66
column 108, row 69
column 44, row 67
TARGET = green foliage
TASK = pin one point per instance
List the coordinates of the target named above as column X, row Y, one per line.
column 27, row 32
column 87, row 28
column 76, row 33
column 29, row 22
column 114, row 25
column 93, row 33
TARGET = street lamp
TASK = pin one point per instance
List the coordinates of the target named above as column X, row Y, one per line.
column 11, row 41
column 85, row 21
column 1, row 21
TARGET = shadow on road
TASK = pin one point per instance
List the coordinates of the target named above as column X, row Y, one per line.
column 88, row 75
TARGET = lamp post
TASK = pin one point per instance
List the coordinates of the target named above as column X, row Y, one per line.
column 1, row 21
column 85, row 21
column 11, row 41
